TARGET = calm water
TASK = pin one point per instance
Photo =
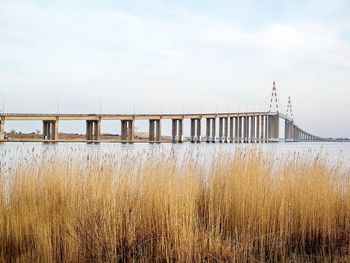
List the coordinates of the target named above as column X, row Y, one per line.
column 20, row 152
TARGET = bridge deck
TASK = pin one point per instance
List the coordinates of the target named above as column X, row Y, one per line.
column 39, row 116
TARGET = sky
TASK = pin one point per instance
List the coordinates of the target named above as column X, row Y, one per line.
column 177, row 56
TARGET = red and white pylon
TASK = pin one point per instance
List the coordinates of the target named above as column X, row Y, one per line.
column 289, row 109
column 274, row 98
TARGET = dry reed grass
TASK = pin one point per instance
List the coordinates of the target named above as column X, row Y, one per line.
column 239, row 208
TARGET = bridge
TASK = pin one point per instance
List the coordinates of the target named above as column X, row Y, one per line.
column 244, row 127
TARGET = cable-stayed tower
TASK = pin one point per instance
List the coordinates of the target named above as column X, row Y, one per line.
column 274, row 98
column 289, row 112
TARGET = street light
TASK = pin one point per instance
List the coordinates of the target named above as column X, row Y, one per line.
column 99, row 101
column 57, row 105
column 3, row 103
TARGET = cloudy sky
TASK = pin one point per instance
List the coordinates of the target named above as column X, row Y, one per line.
column 177, row 56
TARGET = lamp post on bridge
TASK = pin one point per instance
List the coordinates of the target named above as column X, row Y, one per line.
column 57, row 105
column 3, row 103
column 100, row 104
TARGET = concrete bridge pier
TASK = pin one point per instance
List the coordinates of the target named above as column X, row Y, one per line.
column 208, row 130
column 266, row 128
column 273, row 123
column 155, row 131
column 195, row 130
column 213, row 130
column 50, row 130
column 231, row 138
column 288, row 131
column 295, row 133
column 158, row 131
column 46, row 130
column 241, row 129
column 298, row 135
column 2, row 129
column 262, row 129
column 123, row 131
column 237, row 128
column 252, row 129
column 180, row 138
column 223, row 129
column 257, row 135
column 226, row 138
column 127, row 131
column 151, row 136
column 199, row 130
column 177, row 130
column 246, row 129
column 93, row 130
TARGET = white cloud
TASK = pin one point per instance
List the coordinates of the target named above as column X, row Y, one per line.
column 196, row 58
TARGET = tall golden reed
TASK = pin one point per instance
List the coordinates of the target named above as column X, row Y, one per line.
column 240, row 207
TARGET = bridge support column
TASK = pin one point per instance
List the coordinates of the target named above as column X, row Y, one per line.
column 46, row 130
column 213, row 130
column 123, row 131
column 180, row 139
column 158, row 131
column 221, row 129
column 262, row 129
column 151, row 136
column 252, row 129
column 295, row 133
column 127, row 131
column 50, row 130
column 266, row 128
column 131, row 131
column 93, row 130
column 174, row 130
column 288, row 131
column 246, row 129
column 177, row 130
column 257, row 129
column 241, row 129
column 273, row 124
column 97, row 130
column 2, row 129
column 237, row 128
column 155, row 131
column 199, row 130
column 88, row 131
column 193, row 130
column 231, row 139
column 226, row 139
column 55, row 130
column 208, row 130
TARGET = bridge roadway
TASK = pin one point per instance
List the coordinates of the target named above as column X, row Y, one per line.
column 243, row 127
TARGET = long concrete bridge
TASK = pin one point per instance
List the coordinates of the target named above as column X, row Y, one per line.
column 245, row 127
